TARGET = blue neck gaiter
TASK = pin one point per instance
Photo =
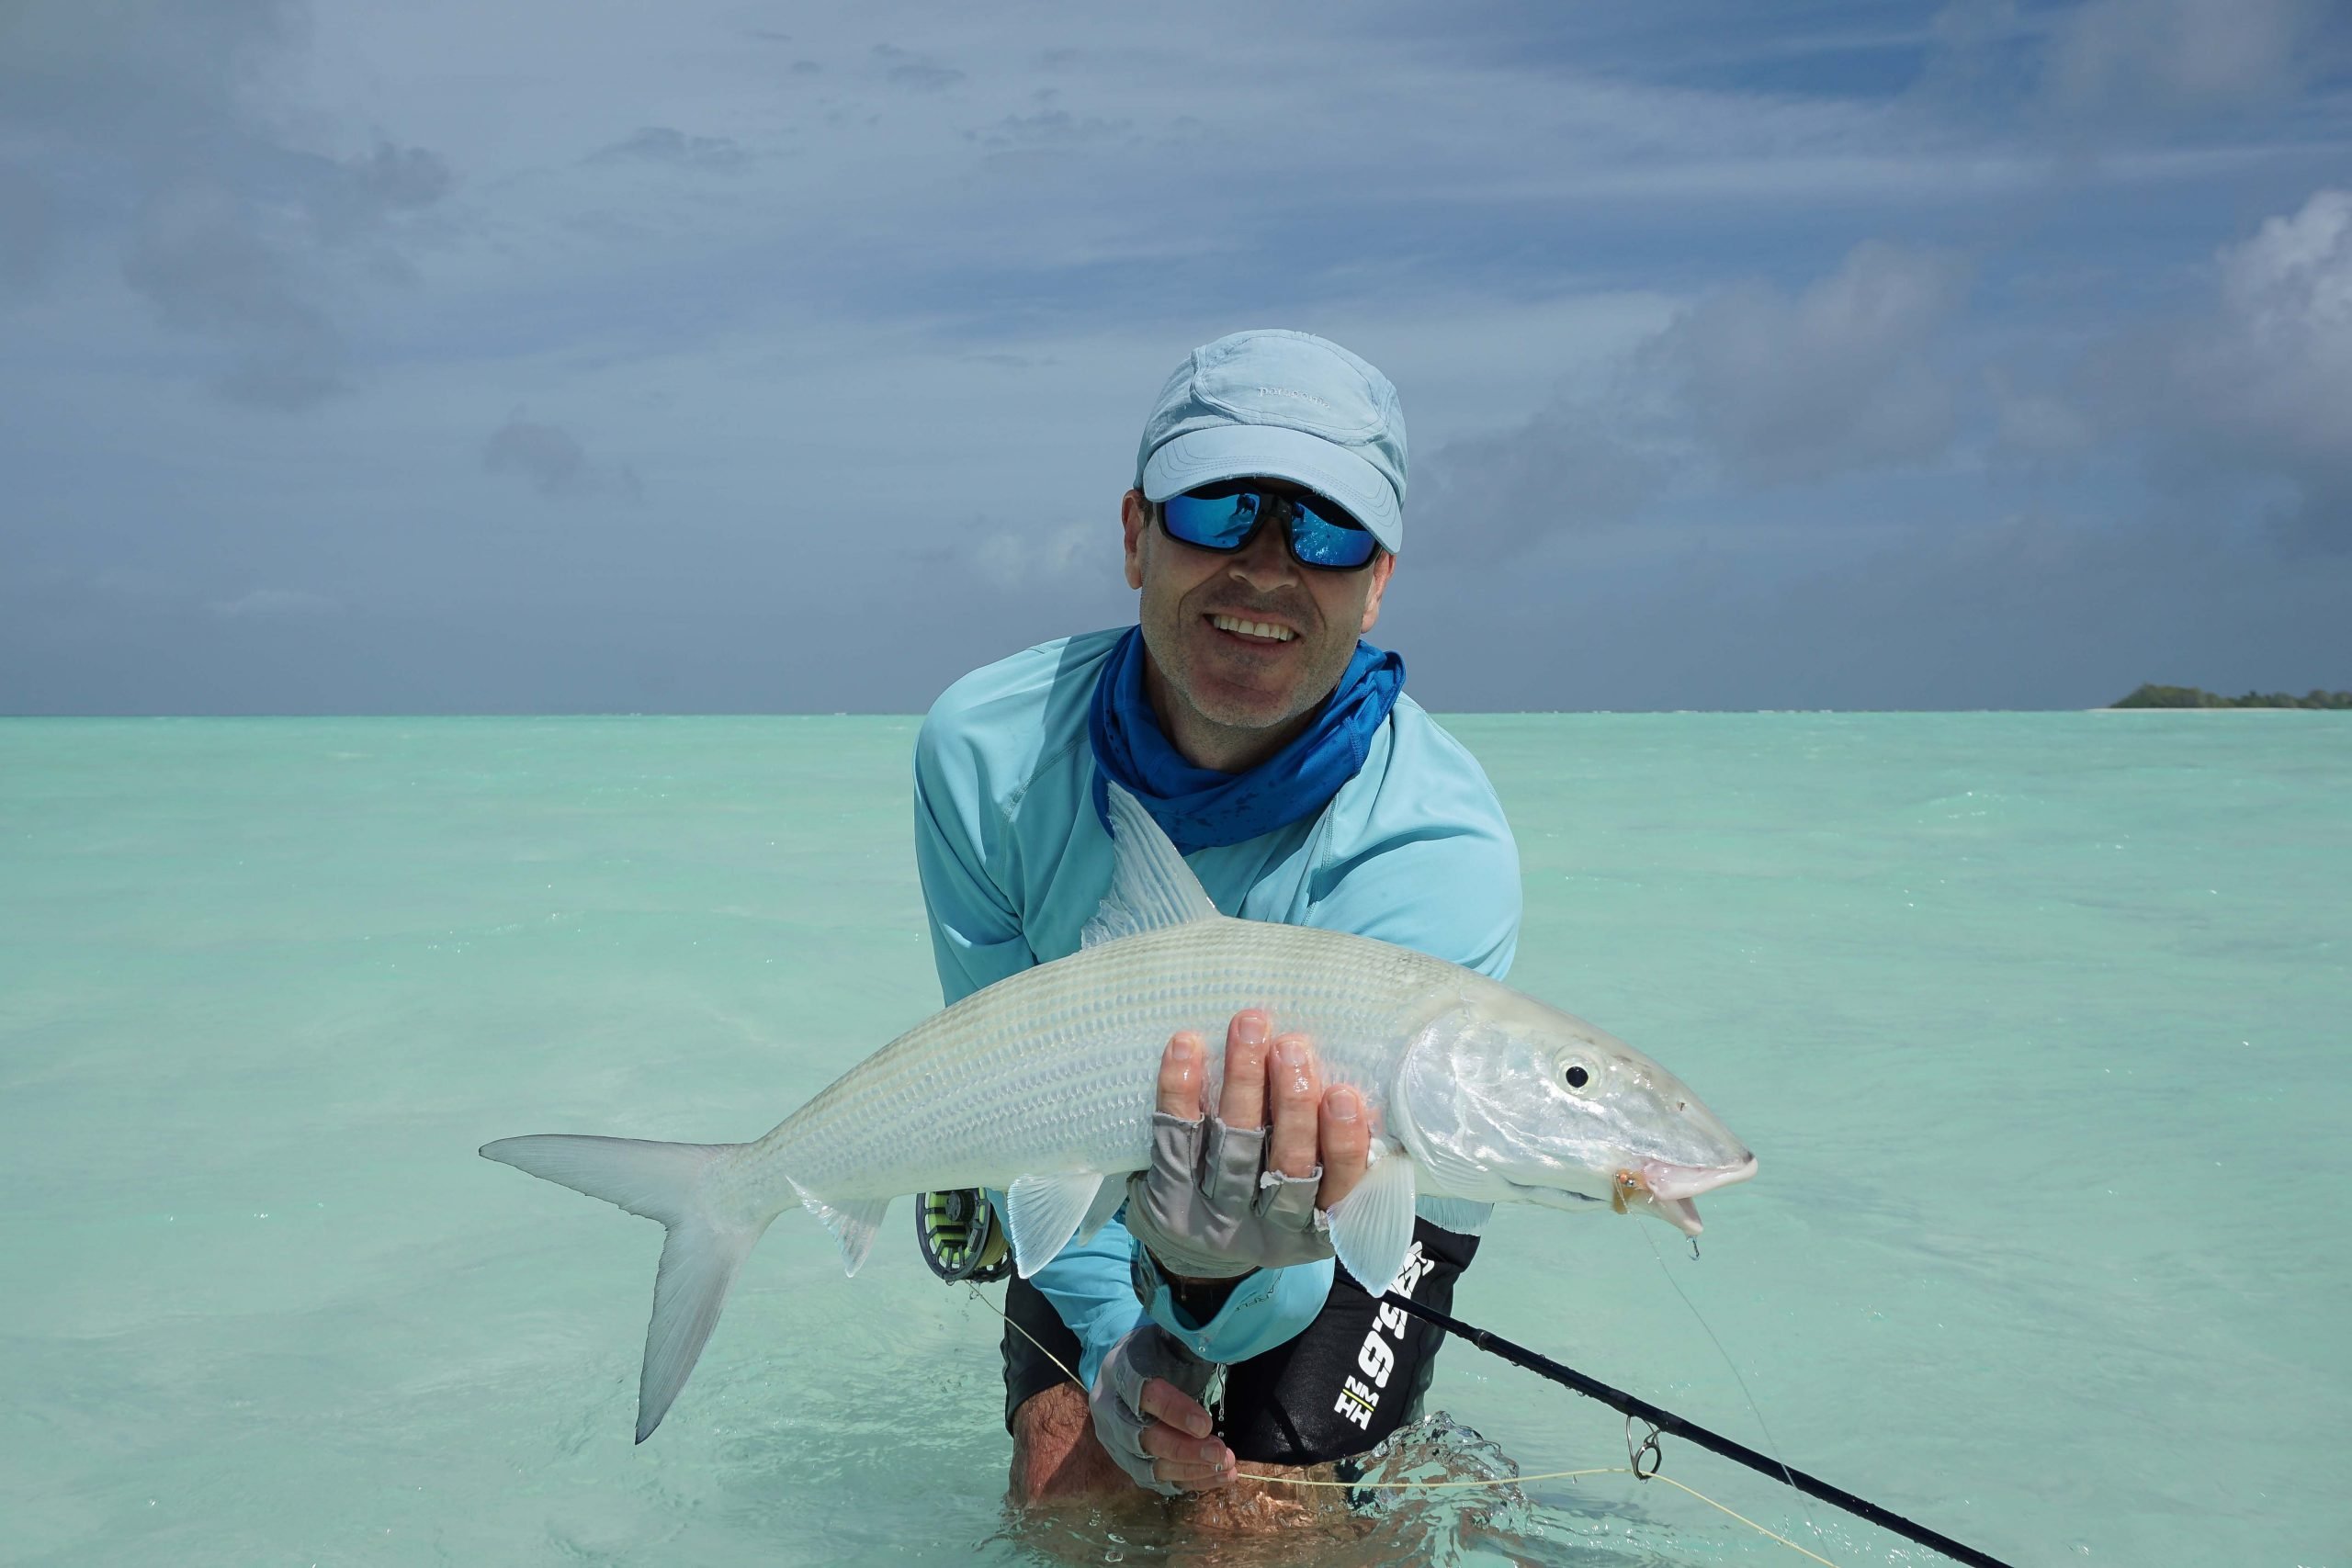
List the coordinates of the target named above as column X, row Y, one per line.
column 1199, row 808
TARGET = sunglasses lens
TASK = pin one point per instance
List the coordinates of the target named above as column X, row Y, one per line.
column 1321, row 538
column 1211, row 521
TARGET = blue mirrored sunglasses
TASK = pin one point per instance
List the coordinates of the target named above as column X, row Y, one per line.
column 1225, row 518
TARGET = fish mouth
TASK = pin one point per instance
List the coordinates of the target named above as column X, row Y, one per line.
column 1667, row 1190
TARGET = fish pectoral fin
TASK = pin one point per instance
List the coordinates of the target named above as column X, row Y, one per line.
column 1459, row 1214
column 853, row 1224
column 1042, row 1212
column 1106, row 1203
column 1372, row 1227
column 1151, row 887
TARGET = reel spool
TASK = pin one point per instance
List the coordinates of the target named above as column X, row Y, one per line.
column 960, row 1237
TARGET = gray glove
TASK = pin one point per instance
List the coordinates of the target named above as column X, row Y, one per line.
column 1147, row 1352
column 1208, row 1209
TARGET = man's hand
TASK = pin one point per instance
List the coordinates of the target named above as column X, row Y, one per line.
column 1238, row 1191
column 1145, row 1411
column 1149, row 1417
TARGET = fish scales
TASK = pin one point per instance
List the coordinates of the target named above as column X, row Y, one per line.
column 1054, row 1069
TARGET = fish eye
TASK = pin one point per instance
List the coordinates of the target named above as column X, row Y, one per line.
column 1576, row 1075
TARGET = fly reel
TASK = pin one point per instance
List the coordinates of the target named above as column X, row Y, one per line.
column 960, row 1237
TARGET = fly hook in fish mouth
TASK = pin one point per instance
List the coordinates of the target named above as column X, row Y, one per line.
column 1667, row 1190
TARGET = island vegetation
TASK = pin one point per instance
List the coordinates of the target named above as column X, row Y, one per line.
column 2153, row 696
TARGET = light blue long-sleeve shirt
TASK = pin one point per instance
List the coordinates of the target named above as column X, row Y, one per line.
column 1413, row 850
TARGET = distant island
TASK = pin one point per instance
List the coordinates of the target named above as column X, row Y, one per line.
column 2191, row 697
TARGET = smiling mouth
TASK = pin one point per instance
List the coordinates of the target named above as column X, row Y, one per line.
column 1265, row 633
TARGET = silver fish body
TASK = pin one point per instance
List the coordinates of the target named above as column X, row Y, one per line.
column 1044, row 1085
column 1052, row 1071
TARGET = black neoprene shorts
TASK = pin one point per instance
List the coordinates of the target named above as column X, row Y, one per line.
column 1355, row 1375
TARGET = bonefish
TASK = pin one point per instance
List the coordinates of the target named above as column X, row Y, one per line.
column 1043, row 1085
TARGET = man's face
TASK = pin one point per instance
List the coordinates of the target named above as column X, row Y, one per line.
column 1199, row 606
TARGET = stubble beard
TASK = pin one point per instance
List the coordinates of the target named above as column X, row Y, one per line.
column 1218, row 684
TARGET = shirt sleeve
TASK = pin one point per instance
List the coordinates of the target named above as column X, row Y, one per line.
column 976, row 941
column 976, row 936
column 1090, row 1286
column 1453, row 894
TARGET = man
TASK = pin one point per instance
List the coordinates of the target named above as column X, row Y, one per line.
column 1281, row 757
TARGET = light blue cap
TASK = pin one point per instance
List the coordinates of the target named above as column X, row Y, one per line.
column 1281, row 405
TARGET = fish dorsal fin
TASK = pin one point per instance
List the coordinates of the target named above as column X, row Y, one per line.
column 1151, row 887
column 1042, row 1212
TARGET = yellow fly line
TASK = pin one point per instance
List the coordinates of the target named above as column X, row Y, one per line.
column 1442, row 1486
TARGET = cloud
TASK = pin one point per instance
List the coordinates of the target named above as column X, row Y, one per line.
column 556, row 465
column 198, row 252
column 944, row 244
column 184, row 166
column 2126, row 57
column 400, row 178
column 1842, row 377
column 1010, row 559
column 904, row 68
column 1050, row 129
column 25, row 226
column 2264, row 384
column 1580, row 463
column 661, row 144
column 1749, row 388
column 2033, row 426
column 274, row 604
column 2027, row 611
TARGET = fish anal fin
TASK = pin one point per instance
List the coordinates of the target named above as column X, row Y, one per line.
column 853, row 1224
column 1042, row 1212
column 1151, row 887
column 1372, row 1227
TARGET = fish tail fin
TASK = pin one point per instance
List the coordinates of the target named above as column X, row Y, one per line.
column 706, row 1243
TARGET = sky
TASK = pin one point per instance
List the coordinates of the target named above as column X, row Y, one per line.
column 723, row 355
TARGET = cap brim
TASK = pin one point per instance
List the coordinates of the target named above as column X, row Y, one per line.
column 1201, row 458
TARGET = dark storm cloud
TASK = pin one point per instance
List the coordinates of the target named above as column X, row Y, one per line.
column 232, row 232
column 556, row 465
column 196, row 252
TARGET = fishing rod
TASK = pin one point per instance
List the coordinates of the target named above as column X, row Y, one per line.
column 1665, row 1422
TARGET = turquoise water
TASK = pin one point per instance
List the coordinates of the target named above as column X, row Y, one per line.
column 2037, row 1023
